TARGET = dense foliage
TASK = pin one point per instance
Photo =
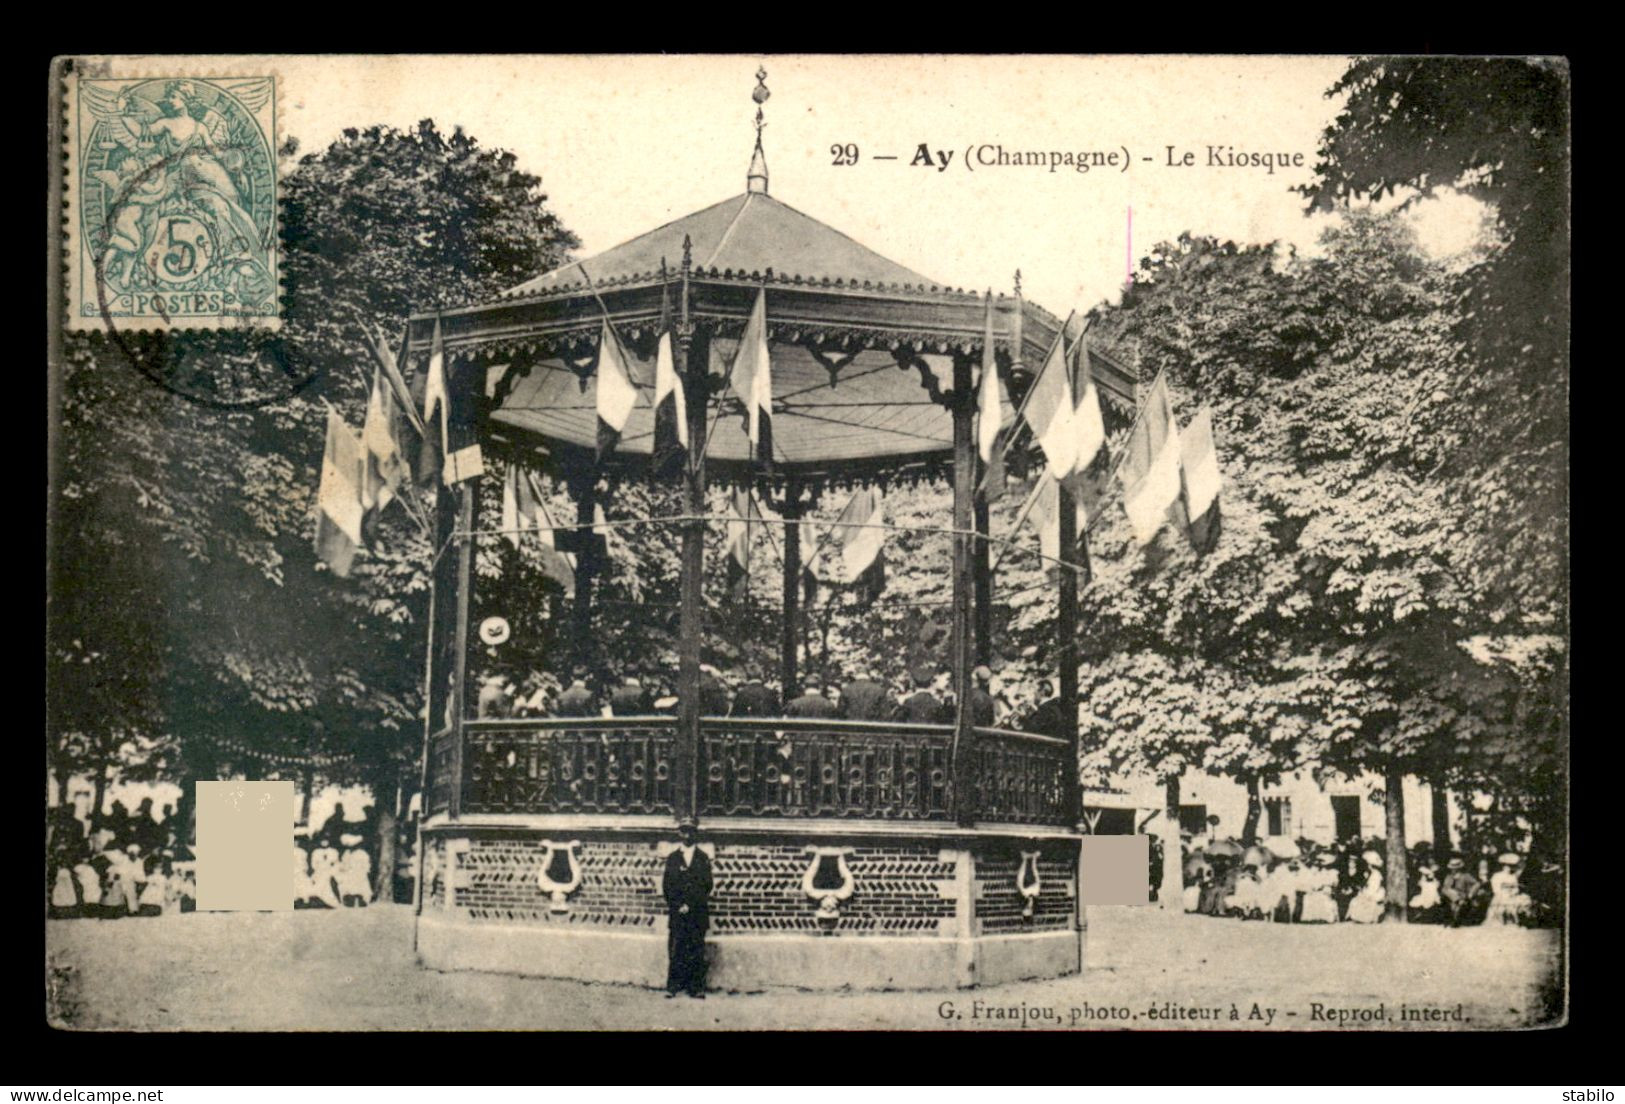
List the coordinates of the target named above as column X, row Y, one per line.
column 191, row 628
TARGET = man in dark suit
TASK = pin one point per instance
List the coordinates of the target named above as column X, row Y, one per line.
column 577, row 700
column 1045, row 719
column 981, row 700
column 922, row 706
column 630, row 699
column 864, row 698
column 812, row 702
column 713, row 693
column 687, row 889
column 755, row 698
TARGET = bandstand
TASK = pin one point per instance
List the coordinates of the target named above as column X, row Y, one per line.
column 846, row 853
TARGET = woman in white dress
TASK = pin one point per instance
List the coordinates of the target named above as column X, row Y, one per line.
column 1425, row 904
column 64, row 897
column 1319, row 904
column 324, row 869
column 154, row 893
column 1245, row 897
column 124, row 878
column 1509, row 904
column 355, row 877
column 90, row 886
column 1366, row 906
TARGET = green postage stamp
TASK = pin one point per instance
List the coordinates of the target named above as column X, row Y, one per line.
column 171, row 201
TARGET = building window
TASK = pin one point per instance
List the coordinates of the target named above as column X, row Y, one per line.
column 1193, row 819
column 1279, row 811
column 1346, row 816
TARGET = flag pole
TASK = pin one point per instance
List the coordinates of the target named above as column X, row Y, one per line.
column 604, row 309
column 1021, row 516
column 1025, row 399
column 1118, row 466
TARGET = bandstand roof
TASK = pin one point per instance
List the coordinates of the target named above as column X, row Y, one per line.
column 753, row 232
column 862, row 348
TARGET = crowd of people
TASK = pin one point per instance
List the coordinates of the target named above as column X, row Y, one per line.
column 141, row 864
column 332, row 866
column 864, row 693
column 135, row 864
column 1309, row 883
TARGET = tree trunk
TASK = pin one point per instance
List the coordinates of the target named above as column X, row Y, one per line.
column 1255, row 809
column 1171, row 894
column 383, row 874
column 98, row 794
column 1397, row 881
column 1441, row 820
column 307, row 782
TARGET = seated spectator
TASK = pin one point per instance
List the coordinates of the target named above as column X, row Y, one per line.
column 576, row 700
column 922, row 706
column 1460, row 891
column 354, row 877
column 181, row 887
column 630, row 699
column 1367, row 905
column 495, row 697
column 812, row 702
column 125, row 876
column 155, row 890
column 87, row 879
column 864, row 698
column 1509, row 904
column 713, row 692
column 146, row 832
column 324, row 869
column 1319, row 903
column 754, row 698
column 981, row 700
column 1425, row 903
column 1046, row 718
column 64, row 893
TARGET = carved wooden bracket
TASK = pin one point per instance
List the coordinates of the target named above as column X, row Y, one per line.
column 908, row 358
column 510, row 379
column 834, row 365
column 583, row 368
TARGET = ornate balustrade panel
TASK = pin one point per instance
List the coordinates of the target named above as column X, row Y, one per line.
column 825, row 769
column 1021, row 778
column 757, row 768
column 614, row 766
column 440, row 780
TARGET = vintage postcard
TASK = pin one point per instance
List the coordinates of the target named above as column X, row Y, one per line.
column 739, row 542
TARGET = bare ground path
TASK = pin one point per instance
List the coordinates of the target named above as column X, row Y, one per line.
column 355, row 970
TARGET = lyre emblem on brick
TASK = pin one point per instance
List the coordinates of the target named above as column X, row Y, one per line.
column 560, row 872
column 1028, row 882
column 828, row 880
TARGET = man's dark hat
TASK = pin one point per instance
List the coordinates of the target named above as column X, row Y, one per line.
column 923, row 673
column 687, row 822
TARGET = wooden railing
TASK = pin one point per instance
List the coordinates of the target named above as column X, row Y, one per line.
column 767, row 767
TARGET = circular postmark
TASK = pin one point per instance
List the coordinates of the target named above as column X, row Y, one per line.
column 178, row 206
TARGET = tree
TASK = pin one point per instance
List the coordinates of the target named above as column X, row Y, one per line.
column 186, row 602
column 1326, row 628
column 1496, row 129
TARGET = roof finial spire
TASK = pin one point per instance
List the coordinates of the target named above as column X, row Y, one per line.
column 756, row 179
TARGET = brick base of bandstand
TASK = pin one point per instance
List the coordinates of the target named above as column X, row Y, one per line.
column 813, row 904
